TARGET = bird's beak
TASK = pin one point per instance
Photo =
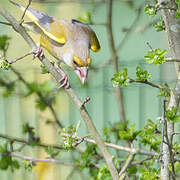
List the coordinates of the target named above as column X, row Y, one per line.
column 82, row 73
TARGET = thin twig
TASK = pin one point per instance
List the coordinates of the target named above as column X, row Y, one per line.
column 87, row 99
column 141, row 161
column 163, row 129
column 126, row 165
column 149, row 45
column 5, row 23
column 11, row 62
column 23, row 141
column 130, row 29
column 170, row 59
column 150, row 84
column 22, row 17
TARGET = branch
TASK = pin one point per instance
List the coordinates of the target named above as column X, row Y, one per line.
column 131, row 28
column 5, row 23
column 169, row 18
column 126, row 165
column 84, row 113
column 114, row 57
column 23, row 141
column 22, row 17
column 114, row 146
column 17, row 59
column 141, row 161
column 37, row 159
column 150, row 84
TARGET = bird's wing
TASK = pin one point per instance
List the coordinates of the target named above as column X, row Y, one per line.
column 53, row 28
column 94, row 43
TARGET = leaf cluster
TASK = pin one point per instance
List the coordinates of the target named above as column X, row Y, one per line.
column 121, row 78
column 155, row 56
column 6, row 160
column 33, row 139
column 150, row 136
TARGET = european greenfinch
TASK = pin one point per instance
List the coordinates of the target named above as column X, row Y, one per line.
column 69, row 42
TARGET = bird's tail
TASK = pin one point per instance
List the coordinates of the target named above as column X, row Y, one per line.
column 18, row 5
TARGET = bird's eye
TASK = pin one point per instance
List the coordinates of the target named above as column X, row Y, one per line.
column 75, row 63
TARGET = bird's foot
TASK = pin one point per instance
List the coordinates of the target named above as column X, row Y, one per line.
column 38, row 52
column 64, row 80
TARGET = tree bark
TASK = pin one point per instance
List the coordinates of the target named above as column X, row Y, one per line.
column 172, row 25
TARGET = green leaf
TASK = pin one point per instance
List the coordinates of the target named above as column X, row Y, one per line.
column 129, row 133
column 3, row 63
column 4, row 40
column 150, row 174
column 177, row 166
column 51, row 152
column 150, row 135
column 121, row 78
column 28, row 165
column 85, row 17
column 142, row 75
column 150, row 10
column 104, row 173
column 171, row 114
column 156, row 56
column 40, row 104
column 159, row 26
column 132, row 170
column 44, row 69
column 178, row 9
column 164, row 93
column 4, row 148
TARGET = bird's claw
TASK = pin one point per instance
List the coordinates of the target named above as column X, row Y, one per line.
column 38, row 53
column 64, row 80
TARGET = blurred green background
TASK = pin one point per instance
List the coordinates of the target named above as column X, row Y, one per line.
column 141, row 102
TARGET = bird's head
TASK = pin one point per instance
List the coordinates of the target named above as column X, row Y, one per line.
column 78, row 58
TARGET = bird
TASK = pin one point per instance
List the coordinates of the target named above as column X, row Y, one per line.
column 69, row 42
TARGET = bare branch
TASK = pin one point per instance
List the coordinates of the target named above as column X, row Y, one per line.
column 150, row 84
column 51, row 160
column 22, row 17
column 114, row 57
column 130, row 29
column 141, row 161
column 126, row 165
column 23, row 141
column 17, row 59
column 5, row 23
